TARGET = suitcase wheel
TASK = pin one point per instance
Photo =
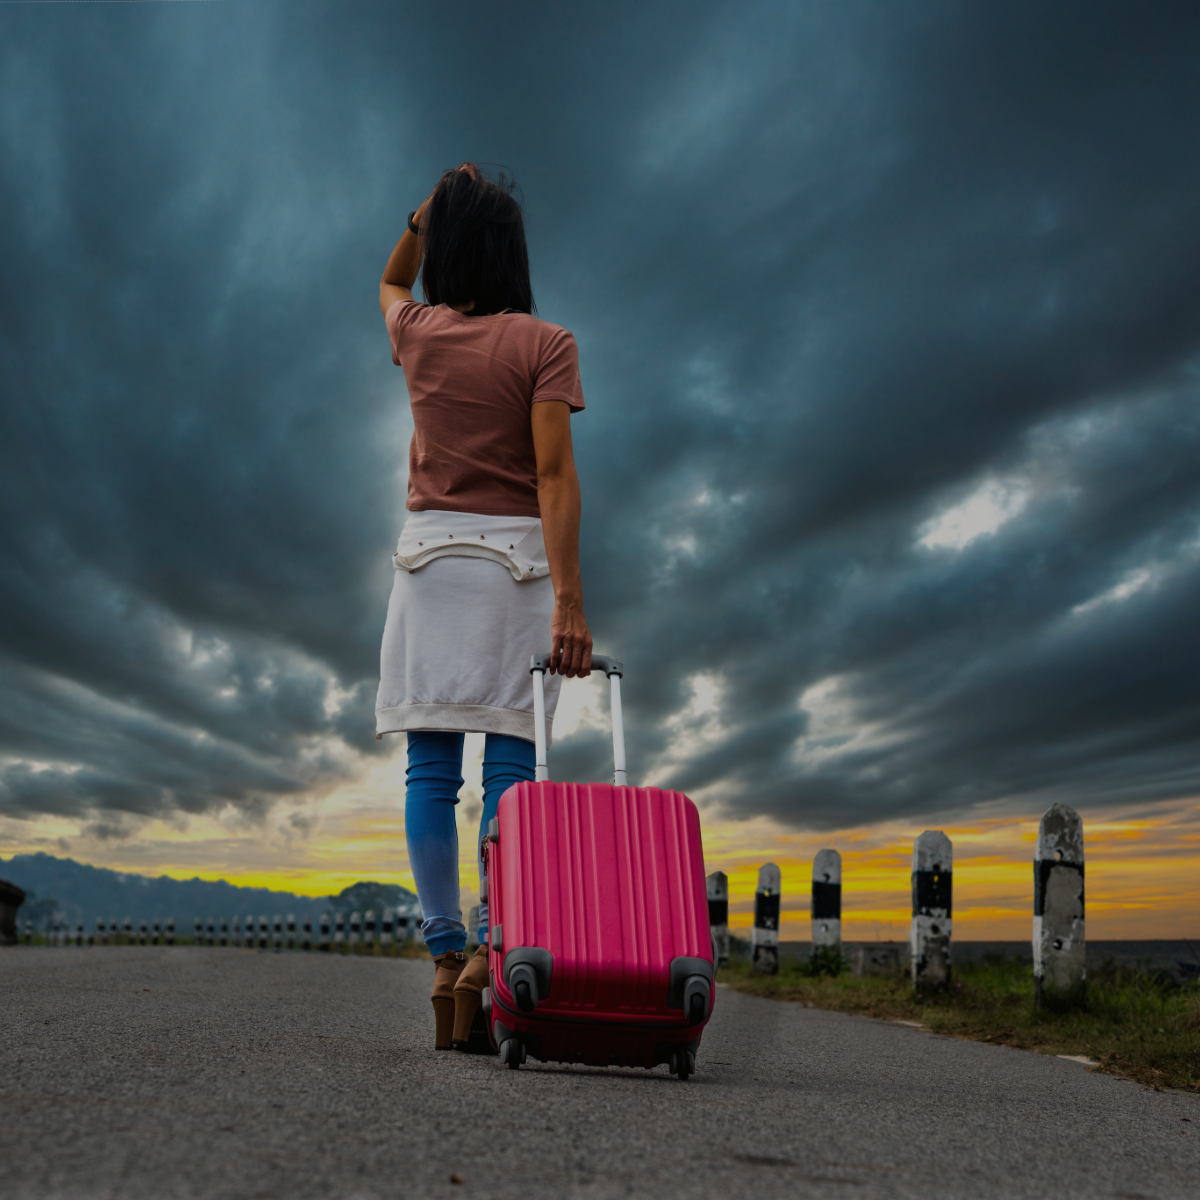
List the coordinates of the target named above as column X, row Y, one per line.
column 683, row 1064
column 512, row 1053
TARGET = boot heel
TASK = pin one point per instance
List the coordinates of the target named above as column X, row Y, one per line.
column 466, row 1005
column 443, row 1016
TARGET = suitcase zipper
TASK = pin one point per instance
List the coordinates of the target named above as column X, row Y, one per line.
column 588, row 1021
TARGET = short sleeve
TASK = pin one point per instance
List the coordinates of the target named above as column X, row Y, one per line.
column 557, row 375
column 398, row 319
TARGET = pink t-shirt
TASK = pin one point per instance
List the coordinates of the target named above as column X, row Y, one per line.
column 472, row 382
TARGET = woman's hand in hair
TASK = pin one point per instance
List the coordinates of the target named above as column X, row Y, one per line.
column 470, row 169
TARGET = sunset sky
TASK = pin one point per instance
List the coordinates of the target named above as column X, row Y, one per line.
column 889, row 330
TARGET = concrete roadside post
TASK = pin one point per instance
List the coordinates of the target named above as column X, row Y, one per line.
column 417, row 918
column 223, row 932
column 385, row 932
column 325, row 932
column 718, row 913
column 339, row 932
column 170, row 931
column 764, row 937
column 307, row 931
column 143, row 933
column 473, row 928
column 827, row 909
column 277, row 929
column 402, row 928
column 291, row 931
column 264, row 932
column 101, row 936
column 127, row 930
column 79, row 933
column 932, row 884
column 1059, row 946
column 211, row 928
column 197, row 931
column 369, row 932
column 155, row 933
column 355, row 931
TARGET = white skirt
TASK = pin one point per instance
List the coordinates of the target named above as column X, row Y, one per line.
column 456, row 649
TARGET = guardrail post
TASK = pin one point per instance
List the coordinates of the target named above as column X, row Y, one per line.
column 155, row 933
column 1059, row 945
column 197, row 932
column 355, row 931
column 101, row 936
column 417, row 919
column 764, row 937
column 339, row 932
column 369, row 932
column 127, row 930
column 170, row 931
column 932, row 884
column 277, row 929
column 79, row 933
column 307, row 931
column 325, row 932
column 264, row 932
column 718, row 913
column 212, row 931
column 827, row 909
column 143, row 933
column 385, row 932
column 291, row 931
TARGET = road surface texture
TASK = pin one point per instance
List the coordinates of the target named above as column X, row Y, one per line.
column 194, row 1072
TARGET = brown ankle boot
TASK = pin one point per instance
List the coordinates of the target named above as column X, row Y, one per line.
column 471, row 1031
column 449, row 967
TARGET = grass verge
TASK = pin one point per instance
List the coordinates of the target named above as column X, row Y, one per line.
column 1133, row 1023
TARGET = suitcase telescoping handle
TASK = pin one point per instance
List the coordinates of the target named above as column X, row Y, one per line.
column 539, row 664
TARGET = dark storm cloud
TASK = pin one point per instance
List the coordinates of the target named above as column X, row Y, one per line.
column 835, row 272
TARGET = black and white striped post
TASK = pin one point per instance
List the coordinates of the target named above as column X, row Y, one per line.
column 126, row 930
column 197, row 931
column 932, row 886
column 764, row 937
column 718, row 913
column 339, row 932
column 155, row 933
column 385, row 932
column 1059, row 944
column 355, row 931
column 369, row 932
column 143, row 933
column 264, row 932
column 473, row 927
column 212, row 931
column 277, row 929
column 403, row 923
column 79, row 933
column 827, row 904
column 170, row 931
column 223, row 932
column 101, row 935
column 325, row 932
column 307, row 943
column 291, row 931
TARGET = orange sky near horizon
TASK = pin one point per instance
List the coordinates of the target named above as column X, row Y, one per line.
column 1142, row 876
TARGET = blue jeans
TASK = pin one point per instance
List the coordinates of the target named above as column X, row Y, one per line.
column 433, row 777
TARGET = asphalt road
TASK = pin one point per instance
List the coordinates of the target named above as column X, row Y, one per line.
column 181, row 1072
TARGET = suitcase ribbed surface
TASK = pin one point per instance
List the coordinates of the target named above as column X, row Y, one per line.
column 611, row 881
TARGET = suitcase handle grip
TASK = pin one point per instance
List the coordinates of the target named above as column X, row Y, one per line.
column 539, row 664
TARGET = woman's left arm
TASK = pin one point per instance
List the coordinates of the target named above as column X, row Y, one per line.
column 403, row 267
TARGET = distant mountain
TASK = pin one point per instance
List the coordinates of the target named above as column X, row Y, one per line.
column 82, row 893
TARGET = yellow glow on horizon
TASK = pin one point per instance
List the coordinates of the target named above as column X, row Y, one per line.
column 1142, row 877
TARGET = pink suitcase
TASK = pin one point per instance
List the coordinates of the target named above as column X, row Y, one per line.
column 601, row 951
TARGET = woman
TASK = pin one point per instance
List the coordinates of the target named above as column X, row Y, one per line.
column 488, row 562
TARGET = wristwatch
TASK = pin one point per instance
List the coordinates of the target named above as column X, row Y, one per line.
column 411, row 227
